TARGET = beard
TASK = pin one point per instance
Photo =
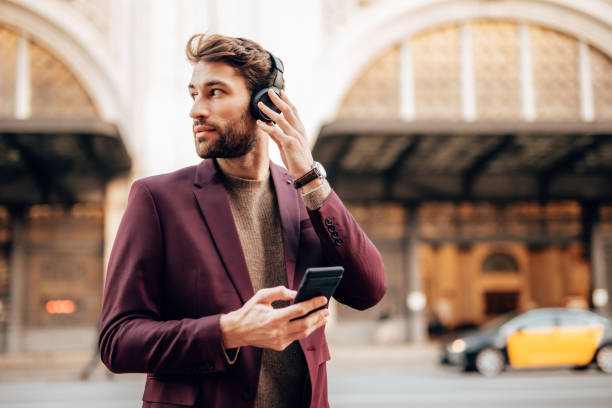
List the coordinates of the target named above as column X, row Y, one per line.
column 236, row 138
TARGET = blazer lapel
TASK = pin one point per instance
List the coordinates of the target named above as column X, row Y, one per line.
column 214, row 205
column 289, row 210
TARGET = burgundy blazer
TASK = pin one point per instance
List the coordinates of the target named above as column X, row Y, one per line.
column 176, row 265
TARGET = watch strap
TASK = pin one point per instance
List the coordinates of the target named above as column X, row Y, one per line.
column 306, row 178
column 316, row 172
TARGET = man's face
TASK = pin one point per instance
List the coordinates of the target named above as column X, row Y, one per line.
column 222, row 124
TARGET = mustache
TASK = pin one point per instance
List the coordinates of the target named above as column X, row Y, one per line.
column 202, row 123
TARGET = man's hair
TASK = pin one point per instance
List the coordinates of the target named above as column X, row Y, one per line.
column 250, row 59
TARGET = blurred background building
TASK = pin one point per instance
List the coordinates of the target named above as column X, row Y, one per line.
column 472, row 139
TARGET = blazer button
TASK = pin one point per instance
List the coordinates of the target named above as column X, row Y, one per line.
column 339, row 242
column 248, row 395
column 335, row 235
column 328, row 222
column 331, row 228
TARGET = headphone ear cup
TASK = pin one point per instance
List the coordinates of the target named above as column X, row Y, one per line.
column 262, row 96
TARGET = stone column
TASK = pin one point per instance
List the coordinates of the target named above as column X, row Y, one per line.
column 18, row 276
column 416, row 325
column 599, row 279
column 115, row 202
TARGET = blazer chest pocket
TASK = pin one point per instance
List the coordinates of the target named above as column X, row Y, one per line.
column 170, row 392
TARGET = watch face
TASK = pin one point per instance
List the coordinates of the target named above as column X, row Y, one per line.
column 320, row 170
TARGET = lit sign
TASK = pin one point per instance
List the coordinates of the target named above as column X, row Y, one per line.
column 60, row 306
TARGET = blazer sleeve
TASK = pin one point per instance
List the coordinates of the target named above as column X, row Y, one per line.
column 344, row 243
column 133, row 337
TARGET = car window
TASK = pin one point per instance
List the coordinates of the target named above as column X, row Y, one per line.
column 573, row 320
column 579, row 319
column 531, row 320
column 538, row 322
column 499, row 321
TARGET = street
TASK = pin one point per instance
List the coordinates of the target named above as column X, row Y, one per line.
column 431, row 386
column 358, row 377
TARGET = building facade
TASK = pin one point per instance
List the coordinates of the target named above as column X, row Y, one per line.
column 476, row 146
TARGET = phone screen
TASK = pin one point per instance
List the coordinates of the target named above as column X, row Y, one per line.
column 318, row 282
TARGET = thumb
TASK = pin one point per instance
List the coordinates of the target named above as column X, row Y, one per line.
column 269, row 295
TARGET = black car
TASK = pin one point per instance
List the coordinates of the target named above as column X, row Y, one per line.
column 537, row 338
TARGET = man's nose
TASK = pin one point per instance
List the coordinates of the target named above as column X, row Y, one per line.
column 199, row 109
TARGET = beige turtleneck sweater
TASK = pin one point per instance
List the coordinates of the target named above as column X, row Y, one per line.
column 255, row 209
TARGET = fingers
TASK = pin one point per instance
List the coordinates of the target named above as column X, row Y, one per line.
column 288, row 134
column 289, row 120
column 274, row 328
column 274, row 132
column 282, row 103
column 279, row 118
column 285, row 141
column 292, row 112
column 298, row 329
column 285, row 99
column 269, row 295
column 301, row 309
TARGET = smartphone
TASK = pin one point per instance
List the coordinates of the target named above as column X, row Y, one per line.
column 318, row 282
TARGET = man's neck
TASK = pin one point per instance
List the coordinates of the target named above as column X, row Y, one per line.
column 254, row 165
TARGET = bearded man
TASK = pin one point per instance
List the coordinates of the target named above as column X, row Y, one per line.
column 207, row 258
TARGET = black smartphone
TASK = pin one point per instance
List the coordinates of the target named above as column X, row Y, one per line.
column 318, row 282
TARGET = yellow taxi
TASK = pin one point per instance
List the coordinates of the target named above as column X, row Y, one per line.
column 537, row 338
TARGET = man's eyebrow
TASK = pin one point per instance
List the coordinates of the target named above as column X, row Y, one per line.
column 209, row 84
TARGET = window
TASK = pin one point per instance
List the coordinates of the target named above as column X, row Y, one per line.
column 499, row 262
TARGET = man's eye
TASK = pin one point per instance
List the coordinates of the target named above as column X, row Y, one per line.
column 215, row 92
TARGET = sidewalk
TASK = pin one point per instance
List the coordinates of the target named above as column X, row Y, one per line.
column 383, row 354
column 55, row 367
column 69, row 366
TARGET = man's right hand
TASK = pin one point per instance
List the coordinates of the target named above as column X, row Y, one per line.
column 259, row 324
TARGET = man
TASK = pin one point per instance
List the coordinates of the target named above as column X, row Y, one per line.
column 204, row 264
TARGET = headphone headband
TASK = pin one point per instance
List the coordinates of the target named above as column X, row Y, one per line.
column 277, row 65
column 262, row 94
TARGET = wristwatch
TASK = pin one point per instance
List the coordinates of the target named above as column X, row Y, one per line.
column 316, row 172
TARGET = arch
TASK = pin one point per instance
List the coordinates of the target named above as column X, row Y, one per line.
column 72, row 38
column 372, row 30
column 499, row 262
column 515, row 250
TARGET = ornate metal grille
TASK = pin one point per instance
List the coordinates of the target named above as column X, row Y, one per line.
column 56, row 93
column 555, row 74
column 437, row 85
column 374, row 95
column 436, row 68
column 496, row 70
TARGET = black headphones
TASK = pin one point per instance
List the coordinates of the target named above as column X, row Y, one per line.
column 262, row 95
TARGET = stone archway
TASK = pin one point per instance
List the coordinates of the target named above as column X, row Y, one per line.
column 60, row 139
column 369, row 32
column 73, row 40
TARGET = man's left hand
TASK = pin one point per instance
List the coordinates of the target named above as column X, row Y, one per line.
column 290, row 136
